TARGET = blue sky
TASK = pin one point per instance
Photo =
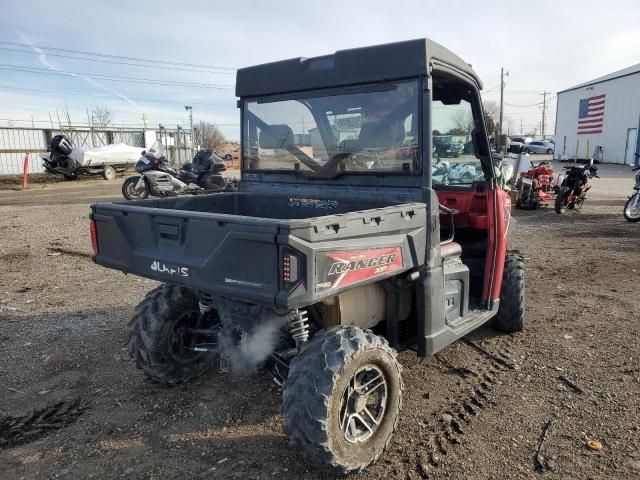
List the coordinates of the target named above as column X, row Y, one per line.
column 544, row 45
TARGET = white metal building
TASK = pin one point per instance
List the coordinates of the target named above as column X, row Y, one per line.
column 604, row 112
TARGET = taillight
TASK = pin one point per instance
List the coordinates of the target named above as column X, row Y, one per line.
column 286, row 269
column 290, row 268
column 94, row 238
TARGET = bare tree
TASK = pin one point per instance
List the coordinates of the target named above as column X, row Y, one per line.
column 491, row 115
column 100, row 117
column 207, row 135
column 492, row 109
column 463, row 121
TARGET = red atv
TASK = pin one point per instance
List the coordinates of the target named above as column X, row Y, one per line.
column 534, row 186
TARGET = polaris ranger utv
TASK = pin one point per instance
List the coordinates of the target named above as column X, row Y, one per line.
column 341, row 235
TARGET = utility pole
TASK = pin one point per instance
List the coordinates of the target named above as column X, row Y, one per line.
column 521, row 129
column 189, row 108
column 544, row 109
column 502, row 74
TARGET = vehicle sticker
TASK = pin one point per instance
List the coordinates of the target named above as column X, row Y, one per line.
column 173, row 270
column 343, row 268
column 313, row 203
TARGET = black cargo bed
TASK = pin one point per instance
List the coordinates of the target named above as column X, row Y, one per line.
column 232, row 243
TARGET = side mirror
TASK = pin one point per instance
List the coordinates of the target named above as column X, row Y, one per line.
column 276, row 137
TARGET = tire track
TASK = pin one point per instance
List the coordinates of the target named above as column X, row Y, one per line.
column 27, row 428
column 479, row 382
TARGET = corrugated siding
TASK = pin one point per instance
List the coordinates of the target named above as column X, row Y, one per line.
column 622, row 111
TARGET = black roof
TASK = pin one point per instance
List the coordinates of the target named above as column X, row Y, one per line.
column 355, row 66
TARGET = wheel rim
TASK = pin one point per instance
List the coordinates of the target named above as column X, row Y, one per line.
column 632, row 209
column 181, row 341
column 132, row 192
column 363, row 404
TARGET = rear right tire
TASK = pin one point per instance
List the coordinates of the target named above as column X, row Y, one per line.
column 342, row 398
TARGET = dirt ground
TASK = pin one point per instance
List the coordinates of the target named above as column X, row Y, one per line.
column 72, row 405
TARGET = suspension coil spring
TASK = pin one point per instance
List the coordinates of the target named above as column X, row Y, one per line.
column 206, row 303
column 299, row 326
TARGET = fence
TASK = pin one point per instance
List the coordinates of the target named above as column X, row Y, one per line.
column 15, row 142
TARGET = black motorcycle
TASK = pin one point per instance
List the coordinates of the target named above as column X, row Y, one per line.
column 574, row 187
column 632, row 207
column 159, row 179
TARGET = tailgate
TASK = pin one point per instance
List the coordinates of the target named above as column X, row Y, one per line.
column 225, row 254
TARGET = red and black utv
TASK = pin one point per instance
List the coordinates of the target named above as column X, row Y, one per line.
column 344, row 242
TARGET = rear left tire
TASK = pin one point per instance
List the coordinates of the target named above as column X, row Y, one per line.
column 159, row 340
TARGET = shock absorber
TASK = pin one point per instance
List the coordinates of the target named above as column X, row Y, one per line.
column 299, row 326
column 206, row 303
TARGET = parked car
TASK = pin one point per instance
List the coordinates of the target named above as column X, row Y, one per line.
column 445, row 148
column 516, row 144
column 539, row 147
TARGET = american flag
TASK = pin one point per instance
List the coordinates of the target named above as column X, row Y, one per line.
column 591, row 115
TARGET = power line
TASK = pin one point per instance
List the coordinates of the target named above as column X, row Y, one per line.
column 113, row 78
column 114, row 123
column 55, row 92
column 119, row 62
column 106, row 55
column 532, row 105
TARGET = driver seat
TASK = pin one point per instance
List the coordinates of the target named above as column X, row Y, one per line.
column 381, row 134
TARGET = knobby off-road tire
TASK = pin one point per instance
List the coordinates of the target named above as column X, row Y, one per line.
column 510, row 316
column 314, row 391
column 151, row 331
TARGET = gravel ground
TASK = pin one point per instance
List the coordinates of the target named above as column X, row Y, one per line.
column 74, row 406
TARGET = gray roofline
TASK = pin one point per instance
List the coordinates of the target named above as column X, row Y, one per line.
column 355, row 66
column 603, row 79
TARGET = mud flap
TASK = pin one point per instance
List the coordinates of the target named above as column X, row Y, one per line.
column 431, row 315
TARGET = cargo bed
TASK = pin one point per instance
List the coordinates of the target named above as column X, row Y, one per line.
column 237, row 244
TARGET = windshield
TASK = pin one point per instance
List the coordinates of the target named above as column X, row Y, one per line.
column 370, row 130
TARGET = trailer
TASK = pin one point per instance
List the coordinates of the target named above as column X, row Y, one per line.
column 80, row 161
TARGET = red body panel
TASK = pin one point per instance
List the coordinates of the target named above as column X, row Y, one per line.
column 471, row 206
column 499, row 211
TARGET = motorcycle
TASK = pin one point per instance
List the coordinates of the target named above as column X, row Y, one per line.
column 158, row 179
column 575, row 186
column 534, row 186
column 632, row 207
